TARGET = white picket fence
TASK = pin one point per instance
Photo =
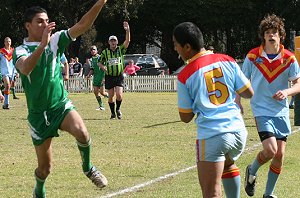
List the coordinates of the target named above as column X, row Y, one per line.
column 132, row 84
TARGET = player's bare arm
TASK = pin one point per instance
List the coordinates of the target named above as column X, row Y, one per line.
column 186, row 117
column 102, row 67
column 66, row 71
column 238, row 102
column 87, row 20
column 248, row 93
column 27, row 64
column 283, row 94
column 127, row 29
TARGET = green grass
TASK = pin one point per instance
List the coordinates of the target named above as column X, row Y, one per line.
column 147, row 143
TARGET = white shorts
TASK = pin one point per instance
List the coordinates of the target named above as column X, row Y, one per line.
column 217, row 148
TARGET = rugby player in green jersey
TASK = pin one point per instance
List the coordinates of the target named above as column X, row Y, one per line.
column 49, row 109
column 98, row 77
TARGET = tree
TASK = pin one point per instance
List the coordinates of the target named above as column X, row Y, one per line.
column 230, row 26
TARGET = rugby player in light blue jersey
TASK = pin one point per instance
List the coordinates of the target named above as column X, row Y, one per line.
column 270, row 67
column 7, row 69
column 207, row 88
column 49, row 109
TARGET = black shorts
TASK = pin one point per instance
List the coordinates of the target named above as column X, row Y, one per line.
column 114, row 81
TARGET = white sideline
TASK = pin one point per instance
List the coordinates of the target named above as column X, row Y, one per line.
column 161, row 178
column 136, row 187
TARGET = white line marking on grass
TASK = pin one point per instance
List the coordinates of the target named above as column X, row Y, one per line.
column 136, row 187
column 142, row 185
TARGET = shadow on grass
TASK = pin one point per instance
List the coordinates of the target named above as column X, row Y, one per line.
column 97, row 119
column 165, row 123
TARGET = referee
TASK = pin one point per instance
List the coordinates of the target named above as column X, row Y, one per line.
column 112, row 62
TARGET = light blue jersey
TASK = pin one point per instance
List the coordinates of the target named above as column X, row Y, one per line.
column 267, row 77
column 6, row 63
column 207, row 87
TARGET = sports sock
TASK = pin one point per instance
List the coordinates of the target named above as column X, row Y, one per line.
column 85, row 152
column 6, row 97
column 99, row 100
column 112, row 108
column 39, row 188
column 231, row 182
column 118, row 102
column 272, row 179
column 12, row 89
column 256, row 164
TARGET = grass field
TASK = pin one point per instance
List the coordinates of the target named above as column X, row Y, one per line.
column 148, row 143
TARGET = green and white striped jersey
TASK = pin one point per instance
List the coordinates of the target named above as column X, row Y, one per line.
column 113, row 60
column 43, row 87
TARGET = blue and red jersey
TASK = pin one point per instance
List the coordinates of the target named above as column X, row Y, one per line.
column 267, row 76
column 207, row 86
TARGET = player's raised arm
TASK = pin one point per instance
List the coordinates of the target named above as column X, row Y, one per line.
column 127, row 29
column 87, row 20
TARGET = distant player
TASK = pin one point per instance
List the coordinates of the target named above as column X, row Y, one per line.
column 64, row 67
column 207, row 88
column 13, row 83
column 7, row 69
column 98, row 77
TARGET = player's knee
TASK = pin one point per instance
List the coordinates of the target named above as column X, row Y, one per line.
column 119, row 97
column 270, row 153
column 82, row 134
column 279, row 155
column 44, row 171
column 229, row 166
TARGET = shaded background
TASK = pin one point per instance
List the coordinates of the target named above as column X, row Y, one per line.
column 230, row 26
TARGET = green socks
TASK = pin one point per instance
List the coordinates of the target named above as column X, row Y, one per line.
column 39, row 188
column 99, row 101
column 12, row 89
column 85, row 152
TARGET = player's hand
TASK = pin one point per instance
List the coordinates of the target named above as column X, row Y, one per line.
column 126, row 25
column 66, row 78
column 104, row 68
column 241, row 106
column 280, row 95
column 47, row 34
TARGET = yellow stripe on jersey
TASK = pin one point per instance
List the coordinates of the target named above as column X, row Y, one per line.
column 185, row 110
column 244, row 88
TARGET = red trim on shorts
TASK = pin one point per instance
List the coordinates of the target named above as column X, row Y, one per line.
column 202, row 156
